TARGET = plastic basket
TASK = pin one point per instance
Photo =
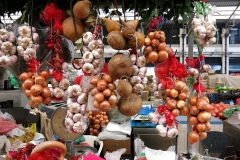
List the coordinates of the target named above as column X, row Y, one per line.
column 146, row 110
column 32, row 126
column 216, row 142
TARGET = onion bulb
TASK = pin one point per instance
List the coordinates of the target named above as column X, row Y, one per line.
column 104, row 106
column 201, row 127
column 101, row 85
column 107, row 78
column 184, row 111
column 193, row 137
column 28, row 83
column 192, row 120
column 182, row 96
column 173, row 93
column 201, row 104
column 208, row 126
column 94, row 80
column 193, row 110
column 179, row 85
column 193, row 100
column 204, row 116
column 99, row 97
column 175, row 112
column 181, row 104
column 202, row 135
column 36, row 89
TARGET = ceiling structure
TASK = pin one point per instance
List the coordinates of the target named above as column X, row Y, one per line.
column 229, row 13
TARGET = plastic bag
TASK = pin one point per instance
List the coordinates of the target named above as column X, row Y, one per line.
column 6, row 126
column 152, row 154
column 8, row 117
column 116, row 155
column 138, row 146
column 112, row 135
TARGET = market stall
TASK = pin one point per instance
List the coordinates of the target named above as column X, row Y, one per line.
column 82, row 107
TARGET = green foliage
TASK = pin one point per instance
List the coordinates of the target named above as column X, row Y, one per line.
column 146, row 9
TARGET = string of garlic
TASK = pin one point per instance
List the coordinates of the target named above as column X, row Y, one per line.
column 76, row 118
column 27, row 46
column 92, row 54
column 205, row 29
column 7, row 48
column 139, row 78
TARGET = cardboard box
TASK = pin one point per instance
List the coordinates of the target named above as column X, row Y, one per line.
column 113, row 145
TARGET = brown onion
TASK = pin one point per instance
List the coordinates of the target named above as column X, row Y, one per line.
column 173, row 93
column 182, row 96
column 147, row 50
column 28, row 83
column 151, row 35
column 193, row 110
column 147, row 41
column 204, row 116
column 27, row 93
column 23, row 76
column 193, row 100
column 113, row 99
column 184, row 111
column 99, row 97
column 193, row 137
column 111, row 86
column 94, row 91
column 107, row 78
column 201, row 127
column 201, row 104
column 104, row 106
column 208, row 108
column 36, row 89
column 206, row 99
column 202, row 135
column 192, row 120
column 94, row 80
column 107, row 92
column 47, row 100
column 101, row 84
column 181, row 104
column 45, row 74
column 171, row 104
column 179, row 85
column 96, row 104
column 155, row 42
column 39, row 79
column 168, row 92
column 46, row 92
column 175, row 112
column 208, row 126
column 36, row 100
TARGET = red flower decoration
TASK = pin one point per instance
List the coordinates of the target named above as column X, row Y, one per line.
column 78, row 79
column 105, row 68
column 57, row 75
column 199, row 87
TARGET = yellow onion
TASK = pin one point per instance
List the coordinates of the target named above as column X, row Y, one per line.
column 36, row 89
column 193, row 137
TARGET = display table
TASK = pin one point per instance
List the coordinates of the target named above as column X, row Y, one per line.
column 227, row 80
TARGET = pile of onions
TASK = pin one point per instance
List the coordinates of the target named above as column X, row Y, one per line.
column 176, row 98
column 155, row 49
column 35, row 87
column 103, row 92
column 96, row 121
column 199, row 116
column 217, row 110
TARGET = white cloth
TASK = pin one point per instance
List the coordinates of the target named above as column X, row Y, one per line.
column 124, row 127
column 16, row 132
column 4, row 140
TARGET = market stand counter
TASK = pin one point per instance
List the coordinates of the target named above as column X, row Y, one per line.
column 153, row 140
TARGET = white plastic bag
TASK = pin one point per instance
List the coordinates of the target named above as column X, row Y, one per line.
column 152, row 154
column 116, row 155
